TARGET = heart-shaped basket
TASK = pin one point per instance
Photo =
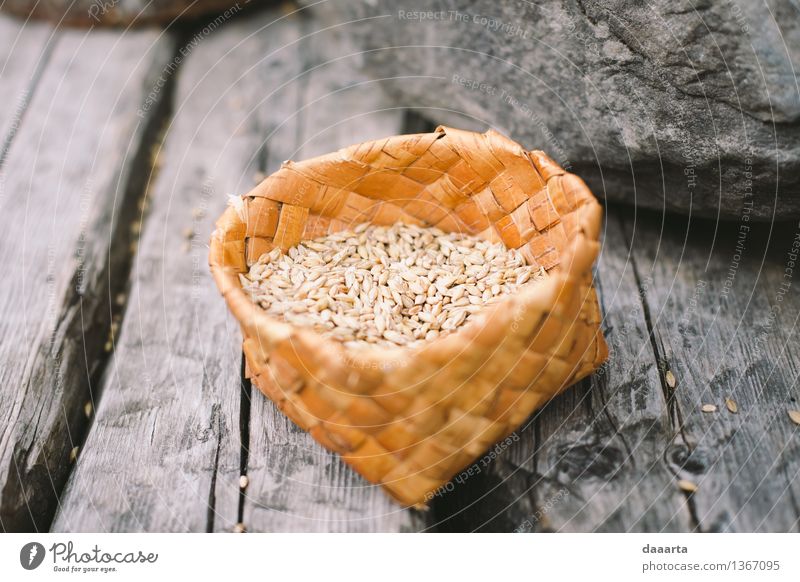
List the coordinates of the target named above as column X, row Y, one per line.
column 412, row 418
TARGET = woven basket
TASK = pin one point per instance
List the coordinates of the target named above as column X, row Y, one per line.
column 412, row 418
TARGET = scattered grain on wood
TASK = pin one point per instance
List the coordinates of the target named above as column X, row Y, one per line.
column 73, row 454
column 88, row 409
column 243, row 482
column 795, row 416
column 687, row 486
column 709, row 407
column 394, row 286
column 670, row 378
column 239, row 528
column 732, row 406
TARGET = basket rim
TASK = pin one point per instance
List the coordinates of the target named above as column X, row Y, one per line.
column 576, row 260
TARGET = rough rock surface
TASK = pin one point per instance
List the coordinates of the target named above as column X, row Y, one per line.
column 683, row 105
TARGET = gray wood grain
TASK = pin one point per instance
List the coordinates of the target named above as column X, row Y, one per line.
column 176, row 425
column 606, row 440
column 163, row 452
column 607, row 455
column 712, row 316
column 67, row 176
column 592, row 459
column 24, row 51
column 296, row 485
column 119, row 13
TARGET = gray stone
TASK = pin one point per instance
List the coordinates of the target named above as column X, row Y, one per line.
column 689, row 106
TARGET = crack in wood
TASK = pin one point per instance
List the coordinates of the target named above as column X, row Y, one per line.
column 245, row 400
column 123, row 249
column 216, row 418
column 599, row 383
column 95, row 324
column 674, row 412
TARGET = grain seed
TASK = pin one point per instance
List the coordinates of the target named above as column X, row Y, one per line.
column 732, row 406
column 709, row 408
column 392, row 286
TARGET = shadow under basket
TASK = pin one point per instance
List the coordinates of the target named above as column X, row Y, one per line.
column 410, row 419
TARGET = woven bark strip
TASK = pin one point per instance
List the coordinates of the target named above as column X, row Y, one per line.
column 406, row 418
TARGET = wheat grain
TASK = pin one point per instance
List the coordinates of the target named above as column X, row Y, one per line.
column 730, row 403
column 395, row 286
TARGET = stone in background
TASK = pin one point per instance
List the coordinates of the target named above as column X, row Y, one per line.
column 688, row 106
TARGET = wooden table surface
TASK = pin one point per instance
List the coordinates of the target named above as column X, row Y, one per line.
column 122, row 399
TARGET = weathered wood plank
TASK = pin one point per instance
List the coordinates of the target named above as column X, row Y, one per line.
column 171, row 401
column 23, row 54
column 609, row 444
column 166, row 451
column 163, row 453
column 592, row 460
column 607, row 455
column 295, row 485
column 724, row 311
column 71, row 175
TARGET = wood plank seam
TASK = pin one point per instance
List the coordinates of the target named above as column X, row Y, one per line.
column 245, row 400
column 89, row 313
column 673, row 406
column 123, row 249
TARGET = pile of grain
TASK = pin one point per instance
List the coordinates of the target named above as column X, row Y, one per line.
column 390, row 286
